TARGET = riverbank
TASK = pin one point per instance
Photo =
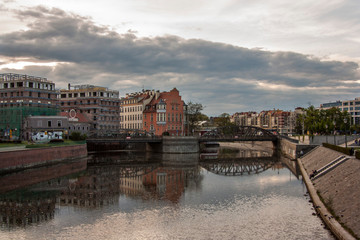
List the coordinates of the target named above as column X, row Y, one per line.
column 335, row 194
column 19, row 158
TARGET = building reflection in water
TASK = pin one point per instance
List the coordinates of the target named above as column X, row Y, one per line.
column 108, row 176
column 30, row 196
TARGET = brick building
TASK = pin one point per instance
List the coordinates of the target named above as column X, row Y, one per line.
column 98, row 104
column 165, row 113
column 21, row 96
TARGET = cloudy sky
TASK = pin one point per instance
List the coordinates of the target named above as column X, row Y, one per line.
column 229, row 55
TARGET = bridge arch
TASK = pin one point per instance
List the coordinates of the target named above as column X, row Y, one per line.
column 237, row 168
column 242, row 133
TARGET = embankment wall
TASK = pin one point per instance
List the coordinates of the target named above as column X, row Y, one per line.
column 21, row 159
column 339, row 189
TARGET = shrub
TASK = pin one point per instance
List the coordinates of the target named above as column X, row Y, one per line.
column 77, row 136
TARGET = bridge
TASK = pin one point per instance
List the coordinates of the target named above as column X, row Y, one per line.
column 158, row 143
column 239, row 166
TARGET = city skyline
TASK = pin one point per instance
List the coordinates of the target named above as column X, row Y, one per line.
column 231, row 56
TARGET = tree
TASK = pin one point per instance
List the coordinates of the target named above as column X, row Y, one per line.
column 324, row 121
column 223, row 120
column 194, row 115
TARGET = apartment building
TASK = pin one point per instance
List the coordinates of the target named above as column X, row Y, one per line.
column 100, row 105
column 23, row 95
column 245, row 119
column 132, row 107
column 351, row 106
column 165, row 113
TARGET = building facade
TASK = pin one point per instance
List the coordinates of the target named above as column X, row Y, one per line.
column 132, row 107
column 47, row 125
column 165, row 113
column 21, row 96
column 100, row 105
column 351, row 106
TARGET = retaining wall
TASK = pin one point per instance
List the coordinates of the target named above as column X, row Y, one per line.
column 292, row 149
column 17, row 160
column 180, row 145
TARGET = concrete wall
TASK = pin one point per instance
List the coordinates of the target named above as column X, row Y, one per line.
column 293, row 150
column 16, row 160
column 338, row 139
column 180, row 145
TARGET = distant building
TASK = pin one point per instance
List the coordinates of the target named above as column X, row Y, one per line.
column 244, row 119
column 77, row 122
column 329, row 105
column 44, row 124
column 132, row 107
column 165, row 113
column 100, row 105
column 351, row 106
column 22, row 96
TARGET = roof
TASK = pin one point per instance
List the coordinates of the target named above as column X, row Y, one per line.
column 79, row 116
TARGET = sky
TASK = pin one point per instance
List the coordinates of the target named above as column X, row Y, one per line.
column 229, row 55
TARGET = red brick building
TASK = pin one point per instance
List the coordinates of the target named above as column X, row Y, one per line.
column 165, row 113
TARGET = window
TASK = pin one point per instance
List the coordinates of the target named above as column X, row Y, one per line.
column 59, row 123
column 49, row 95
column 63, row 95
column 49, row 123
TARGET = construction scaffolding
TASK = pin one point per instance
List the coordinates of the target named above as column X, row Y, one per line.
column 12, row 118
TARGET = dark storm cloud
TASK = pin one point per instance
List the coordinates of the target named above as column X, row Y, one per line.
column 90, row 52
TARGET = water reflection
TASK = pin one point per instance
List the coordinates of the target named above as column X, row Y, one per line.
column 143, row 189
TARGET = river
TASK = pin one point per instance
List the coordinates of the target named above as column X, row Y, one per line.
column 134, row 195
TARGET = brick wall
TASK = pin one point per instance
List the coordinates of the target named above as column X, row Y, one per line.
column 21, row 159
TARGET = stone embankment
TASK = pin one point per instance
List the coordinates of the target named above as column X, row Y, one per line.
column 339, row 189
column 27, row 158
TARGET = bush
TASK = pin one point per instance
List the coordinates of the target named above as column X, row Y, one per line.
column 357, row 154
column 77, row 136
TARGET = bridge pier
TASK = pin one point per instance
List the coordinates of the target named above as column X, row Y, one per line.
column 180, row 145
column 154, row 147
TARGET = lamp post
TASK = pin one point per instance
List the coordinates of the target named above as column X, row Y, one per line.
column 326, row 126
column 345, row 121
column 334, row 132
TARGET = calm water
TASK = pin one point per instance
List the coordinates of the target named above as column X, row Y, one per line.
column 131, row 195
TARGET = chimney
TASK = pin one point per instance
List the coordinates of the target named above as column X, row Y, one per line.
column 157, row 94
column 69, row 85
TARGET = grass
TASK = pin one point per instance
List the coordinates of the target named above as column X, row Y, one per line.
column 5, row 145
column 55, row 144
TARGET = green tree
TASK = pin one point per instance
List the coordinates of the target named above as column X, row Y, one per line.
column 194, row 115
column 324, row 121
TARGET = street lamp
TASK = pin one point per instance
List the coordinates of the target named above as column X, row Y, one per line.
column 345, row 121
column 334, row 132
column 326, row 126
